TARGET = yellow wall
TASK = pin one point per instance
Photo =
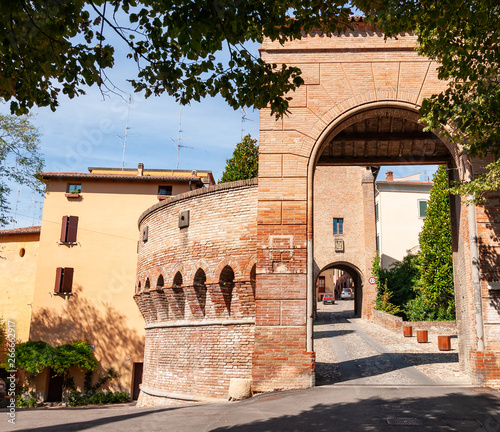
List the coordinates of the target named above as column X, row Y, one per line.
column 17, row 279
column 101, row 308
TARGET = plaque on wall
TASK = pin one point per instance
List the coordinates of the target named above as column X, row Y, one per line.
column 339, row 245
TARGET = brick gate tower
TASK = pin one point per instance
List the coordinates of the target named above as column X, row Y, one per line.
column 358, row 107
column 226, row 274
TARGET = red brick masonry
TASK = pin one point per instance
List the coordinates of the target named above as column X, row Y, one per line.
column 196, row 291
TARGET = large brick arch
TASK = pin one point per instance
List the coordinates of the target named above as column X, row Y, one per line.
column 367, row 109
column 349, row 76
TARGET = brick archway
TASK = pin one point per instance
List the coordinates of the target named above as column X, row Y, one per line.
column 357, row 276
column 412, row 147
column 349, row 76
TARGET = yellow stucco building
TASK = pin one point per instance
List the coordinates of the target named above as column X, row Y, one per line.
column 18, row 258
column 83, row 279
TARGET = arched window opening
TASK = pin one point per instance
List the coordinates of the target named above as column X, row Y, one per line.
column 179, row 296
column 138, row 288
column 226, row 282
column 200, row 289
column 253, row 277
column 177, row 280
column 147, row 286
column 159, row 282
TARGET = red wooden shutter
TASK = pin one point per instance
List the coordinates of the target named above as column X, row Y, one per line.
column 67, row 283
column 72, row 229
column 64, row 228
column 57, row 288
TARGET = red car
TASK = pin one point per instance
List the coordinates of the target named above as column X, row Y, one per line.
column 329, row 298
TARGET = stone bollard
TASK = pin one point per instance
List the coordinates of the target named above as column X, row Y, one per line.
column 422, row 336
column 407, row 331
column 239, row 388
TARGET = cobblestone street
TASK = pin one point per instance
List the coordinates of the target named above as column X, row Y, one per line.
column 353, row 351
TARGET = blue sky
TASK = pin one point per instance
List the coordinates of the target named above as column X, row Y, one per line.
column 88, row 131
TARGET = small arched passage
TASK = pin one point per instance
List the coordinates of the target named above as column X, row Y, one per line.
column 356, row 277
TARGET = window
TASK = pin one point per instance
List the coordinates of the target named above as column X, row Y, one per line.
column 377, row 239
column 75, row 188
column 164, row 190
column 64, row 280
column 321, row 284
column 338, row 226
column 68, row 229
column 376, row 212
column 422, row 208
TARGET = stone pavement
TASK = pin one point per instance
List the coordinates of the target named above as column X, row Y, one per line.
column 350, row 350
column 374, row 389
column 337, row 408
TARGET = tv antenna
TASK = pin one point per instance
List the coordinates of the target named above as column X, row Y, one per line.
column 244, row 118
column 124, row 137
column 179, row 145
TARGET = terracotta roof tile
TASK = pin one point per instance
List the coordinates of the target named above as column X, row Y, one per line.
column 129, row 177
column 25, row 230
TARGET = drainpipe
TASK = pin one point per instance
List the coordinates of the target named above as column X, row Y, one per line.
column 310, row 293
column 476, row 275
column 310, row 297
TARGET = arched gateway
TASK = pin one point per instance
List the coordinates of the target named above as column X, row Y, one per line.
column 358, row 107
column 250, row 313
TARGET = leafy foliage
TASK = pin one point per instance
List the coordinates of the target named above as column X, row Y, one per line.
column 34, row 356
column 436, row 256
column 385, row 304
column 396, row 285
column 463, row 37
column 76, row 398
column 103, row 379
column 420, row 287
column 49, row 47
column 19, row 158
column 245, row 161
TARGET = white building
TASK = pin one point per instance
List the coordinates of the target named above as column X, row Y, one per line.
column 400, row 206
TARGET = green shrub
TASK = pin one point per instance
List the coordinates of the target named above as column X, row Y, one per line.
column 77, row 398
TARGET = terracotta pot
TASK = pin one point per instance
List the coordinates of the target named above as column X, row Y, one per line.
column 444, row 343
column 407, row 331
column 422, row 336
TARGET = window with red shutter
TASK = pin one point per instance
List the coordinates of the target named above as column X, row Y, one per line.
column 64, row 280
column 64, row 228
column 59, row 272
column 69, row 229
column 72, row 229
column 67, row 282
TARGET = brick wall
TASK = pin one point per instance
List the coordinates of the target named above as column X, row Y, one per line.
column 196, row 291
column 395, row 323
column 348, row 77
column 347, row 193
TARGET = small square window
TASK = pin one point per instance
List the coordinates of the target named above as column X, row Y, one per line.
column 75, row 188
column 338, row 225
column 422, row 208
column 164, row 190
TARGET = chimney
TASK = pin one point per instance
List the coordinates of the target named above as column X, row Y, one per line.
column 140, row 169
column 389, row 176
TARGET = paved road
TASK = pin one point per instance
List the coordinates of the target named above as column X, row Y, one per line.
column 373, row 390
column 328, row 408
column 345, row 353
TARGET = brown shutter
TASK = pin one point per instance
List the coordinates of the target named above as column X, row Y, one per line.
column 67, row 283
column 72, row 229
column 57, row 288
column 64, row 228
